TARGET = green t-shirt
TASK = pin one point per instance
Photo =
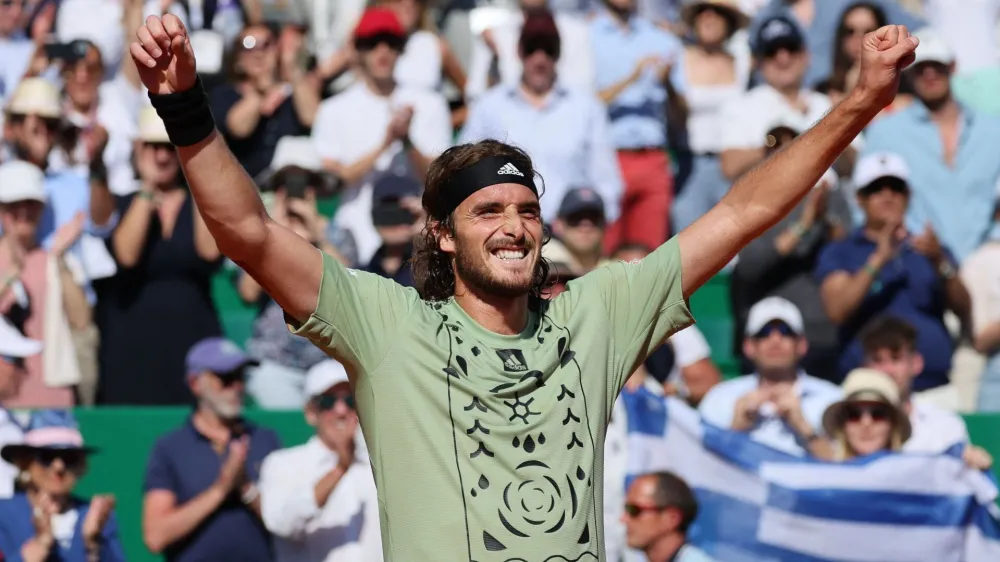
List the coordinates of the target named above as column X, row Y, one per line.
column 488, row 447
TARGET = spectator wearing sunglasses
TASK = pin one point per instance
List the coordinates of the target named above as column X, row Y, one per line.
column 44, row 520
column 779, row 405
column 659, row 509
column 200, row 486
column 319, row 499
column 378, row 127
column 565, row 130
column 890, row 346
column 868, row 419
column 881, row 268
column 14, row 350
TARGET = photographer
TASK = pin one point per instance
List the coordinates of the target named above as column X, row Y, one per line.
column 782, row 260
column 290, row 194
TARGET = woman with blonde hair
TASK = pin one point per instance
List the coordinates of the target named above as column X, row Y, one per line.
column 868, row 419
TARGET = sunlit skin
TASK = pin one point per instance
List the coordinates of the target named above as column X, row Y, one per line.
column 60, row 477
column 785, row 69
column 223, row 397
column 157, row 163
column 83, row 78
column 931, row 82
column 20, row 220
column 651, row 525
column 11, row 378
column 882, row 206
column 380, row 62
column 539, row 71
column 335, row 425
column 775, row 352
column 710, row 27
column 581, row 234
column 903, row 366
column 500, row 219
column 261, row 59
column 867, row 435
column 34, row 137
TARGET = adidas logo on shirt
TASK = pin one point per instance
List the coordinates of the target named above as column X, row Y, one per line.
column 509, row 168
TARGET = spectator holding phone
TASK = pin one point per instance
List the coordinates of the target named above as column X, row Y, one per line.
column 43, row 520
column 159, row 302
column 397, row 215
column 291, row 192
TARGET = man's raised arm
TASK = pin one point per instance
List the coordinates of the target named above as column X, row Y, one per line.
column 769, row 191
column 287, row 266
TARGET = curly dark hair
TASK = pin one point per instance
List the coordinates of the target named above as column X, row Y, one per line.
column 433, row 270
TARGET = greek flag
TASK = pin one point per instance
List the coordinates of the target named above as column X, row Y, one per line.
column 757, row 504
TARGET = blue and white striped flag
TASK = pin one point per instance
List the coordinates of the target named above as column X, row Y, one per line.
column 757, row 504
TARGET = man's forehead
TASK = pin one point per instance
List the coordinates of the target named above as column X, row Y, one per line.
column 504, row 193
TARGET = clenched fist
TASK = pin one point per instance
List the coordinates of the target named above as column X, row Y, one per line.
column 886, row 52
column 163, row 55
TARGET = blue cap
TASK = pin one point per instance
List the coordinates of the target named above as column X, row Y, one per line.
column 216, row 355
column 776, row 32
column 48, row 429
column 391, row 186
column 579, row 200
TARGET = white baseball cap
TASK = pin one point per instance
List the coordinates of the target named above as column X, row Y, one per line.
column 323, row 376
column 14, row 344
column 21, row 181
column 932, row 48
column 151, row 127
column 296, row 151
column 774, row 308
column 35, row 96
column 879, row 165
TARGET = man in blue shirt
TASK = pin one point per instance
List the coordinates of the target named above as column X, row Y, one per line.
column 639, row 76
column 565, row 130
column 882, row 268
column 950, row 149
column 201, row 501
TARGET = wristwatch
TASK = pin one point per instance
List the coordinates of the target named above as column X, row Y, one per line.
column 946, row 270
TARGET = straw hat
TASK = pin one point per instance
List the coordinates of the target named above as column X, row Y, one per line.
column 151, row 127
column 867, row 386
column 728, row 7
column 35, row 96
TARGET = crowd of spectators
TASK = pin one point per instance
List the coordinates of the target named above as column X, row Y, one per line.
column 638, row 114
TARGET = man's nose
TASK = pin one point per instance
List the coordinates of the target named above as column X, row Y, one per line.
column 513, row 224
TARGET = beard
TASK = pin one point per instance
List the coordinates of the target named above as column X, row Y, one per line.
column 479, row 275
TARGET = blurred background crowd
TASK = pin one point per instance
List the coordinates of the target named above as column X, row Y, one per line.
column 639, row 115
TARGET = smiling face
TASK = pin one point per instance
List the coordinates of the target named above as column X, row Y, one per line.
column 497, row 240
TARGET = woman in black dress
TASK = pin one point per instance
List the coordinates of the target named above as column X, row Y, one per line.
column 159, row 303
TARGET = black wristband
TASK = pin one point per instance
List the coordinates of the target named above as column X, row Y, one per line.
column 186, row 115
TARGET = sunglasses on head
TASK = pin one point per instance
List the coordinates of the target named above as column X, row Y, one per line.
column 71, row 459
column 780, row 327
column 634, row 509
column 394, row 42
column 877, row 412
column 15, row 361
column 325, row 402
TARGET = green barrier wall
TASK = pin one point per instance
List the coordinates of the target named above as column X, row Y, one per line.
column 126, row 435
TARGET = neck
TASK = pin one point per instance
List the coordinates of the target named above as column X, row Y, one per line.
column 665, row 548
column 210, row 425
column 621, row 16
column 711, row 48
column 777, row 376
column 25, row 245
column 83, row 108
column 381, row 87
column 790, row 93
column 536, row 96
column 501, row 315
column 946, row 110
column 588, row 260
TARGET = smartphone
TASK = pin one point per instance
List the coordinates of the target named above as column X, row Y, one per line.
column 59, row 51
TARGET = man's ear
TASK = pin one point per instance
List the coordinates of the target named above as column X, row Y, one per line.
column 445, row 238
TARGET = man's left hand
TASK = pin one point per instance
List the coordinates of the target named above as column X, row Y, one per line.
column 885, row 53
column 977, row 457
column 928, row 245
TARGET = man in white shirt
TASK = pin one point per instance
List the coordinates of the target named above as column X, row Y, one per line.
column 778, row 405
column 14, row 349
column 495, row 58
column 782, row 57
column 377, row 127
column 319, row 499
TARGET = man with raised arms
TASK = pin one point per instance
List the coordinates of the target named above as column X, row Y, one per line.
column 484, row 407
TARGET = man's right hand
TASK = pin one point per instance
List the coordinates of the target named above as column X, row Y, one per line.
column 163, row 55
column 232, row 473
column 887, row 243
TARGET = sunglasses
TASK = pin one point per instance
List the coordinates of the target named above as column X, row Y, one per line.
column 877, row 412
column 848, row 31
column 72, row 460
column 780, row 327
column 634, row 509
column 17, row 362
column 394, row 42
column 326, row 402
column 892, row 184
column 544, row 44
column 251, row 43
column 229, row 379
column 51, row 123
column 596, row 219
column 772, row 49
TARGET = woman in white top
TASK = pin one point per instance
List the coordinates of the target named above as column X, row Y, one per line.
column 716, row 73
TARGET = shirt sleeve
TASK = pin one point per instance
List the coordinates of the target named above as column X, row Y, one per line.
column 829, row 262
column 159, row 472
column 287, row 501
column 357, row 315
column 645, row 304
column 605, row 175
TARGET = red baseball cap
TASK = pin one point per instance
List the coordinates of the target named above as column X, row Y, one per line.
column 378, row 21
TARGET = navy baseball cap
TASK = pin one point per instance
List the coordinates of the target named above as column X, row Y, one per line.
column 776, row 33
column 579, row 200
column 386, row 193
column 217, row 355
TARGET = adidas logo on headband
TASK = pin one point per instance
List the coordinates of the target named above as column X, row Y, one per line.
column 509, row 168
